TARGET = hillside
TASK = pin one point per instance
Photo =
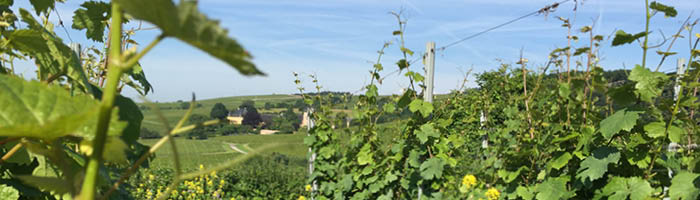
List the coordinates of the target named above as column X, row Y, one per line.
column 172, row 111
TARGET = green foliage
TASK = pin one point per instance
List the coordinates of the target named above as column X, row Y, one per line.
column 199, row 132
column 92, row 17
column 648, row 83
column 635, row 188
column 564, row 135
column 8, row 192
column 685, row 186
column 32, row 109
column 667, row 10
column 621, row 37
column 553, row 189
column 251, row 117
column 595, row 165
column 416, row 155
column 219, row 111
column 42, row 6
column 621, row 120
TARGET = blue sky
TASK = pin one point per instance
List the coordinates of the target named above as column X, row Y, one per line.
column 338, row 40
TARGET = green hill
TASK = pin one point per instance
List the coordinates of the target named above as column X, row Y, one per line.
column 172, row 111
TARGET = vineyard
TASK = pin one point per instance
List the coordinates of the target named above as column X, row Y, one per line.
column 566, row 129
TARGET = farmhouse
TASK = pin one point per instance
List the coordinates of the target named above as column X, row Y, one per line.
column 236, row 116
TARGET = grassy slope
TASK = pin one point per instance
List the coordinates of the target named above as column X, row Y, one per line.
column 216, row 150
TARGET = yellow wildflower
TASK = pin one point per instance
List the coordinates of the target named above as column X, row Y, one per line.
column 233, row 198
column 301, row 198
column 151, row 177
column 201, row 166
column 469, row 181
column 222, row 182
column 308, row 188
column 492, row 194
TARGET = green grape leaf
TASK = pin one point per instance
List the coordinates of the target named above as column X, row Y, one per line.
column 365, row 156
column 509, row 176
column 326, row 152
column 525, row 192
column 675, row 134
column 553, row 189
column 647, row 86
column 564, row 90
column 620, row 120
column 414, row 158
column 403, row 64
column 92, row 17
column 595, row 166
column 666, row 53
column 560, row 161
column 389, row 107
column 623, row 95
column 32, row 109
column 42, row 6
column 405, row 99
column 185, row 22
column 685, row 186
column 668, row 11
column 658, row 129
column 407, row 51
column 426, row 131
column 346, row 182
column 621, row 37
column 425, row 108
column 372, row 91
column 582, row 50
column 432, row 168
column 619, row 188
column 50, row 54
column 47, row 184
column 655, row 129
column 8, row 193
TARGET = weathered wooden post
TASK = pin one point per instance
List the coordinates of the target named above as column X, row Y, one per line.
column 429, row 71
column 429, row 62
column 309, row 126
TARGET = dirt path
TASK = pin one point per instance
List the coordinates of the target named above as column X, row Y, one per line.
column 233, row 146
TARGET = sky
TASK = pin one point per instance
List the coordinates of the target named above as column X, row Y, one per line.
column 338, row 41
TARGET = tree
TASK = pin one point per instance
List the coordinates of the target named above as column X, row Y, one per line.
column 185, row 105
column 251, row 116
column 268, row 106
column 247, row 103
column 200, row 132
column 218, row 111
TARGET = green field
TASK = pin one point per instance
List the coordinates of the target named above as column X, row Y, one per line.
column 217, row 150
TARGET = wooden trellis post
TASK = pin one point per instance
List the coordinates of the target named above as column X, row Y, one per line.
column 429, row 71
column 309, row 126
